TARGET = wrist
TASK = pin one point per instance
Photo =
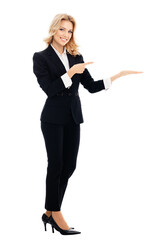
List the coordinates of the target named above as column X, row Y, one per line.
column 70, row 72
column 115, row 77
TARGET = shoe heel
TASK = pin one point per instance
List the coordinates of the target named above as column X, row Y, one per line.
column 45, row 226
column 52, row 229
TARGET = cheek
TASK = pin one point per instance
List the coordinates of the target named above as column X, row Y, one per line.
column 55, row 36
column 58, row 34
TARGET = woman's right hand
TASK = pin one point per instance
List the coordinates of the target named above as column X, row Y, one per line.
column 80, row 67
column 77, row 68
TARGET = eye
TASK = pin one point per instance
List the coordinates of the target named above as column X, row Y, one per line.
column 62, row 29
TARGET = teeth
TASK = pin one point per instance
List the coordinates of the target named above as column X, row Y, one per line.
column 64, row 39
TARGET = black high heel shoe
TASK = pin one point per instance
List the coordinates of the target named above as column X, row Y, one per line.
column 46, row 220
column 63, row 232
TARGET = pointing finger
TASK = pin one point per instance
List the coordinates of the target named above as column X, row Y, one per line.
column 88, row 63
column 136, row 72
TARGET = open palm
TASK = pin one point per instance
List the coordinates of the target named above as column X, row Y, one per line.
column 126, row 72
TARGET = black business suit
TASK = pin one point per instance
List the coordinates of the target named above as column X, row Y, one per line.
column 60, row 119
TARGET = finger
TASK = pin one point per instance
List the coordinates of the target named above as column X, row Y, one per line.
column 135, row 72
column 88, row 63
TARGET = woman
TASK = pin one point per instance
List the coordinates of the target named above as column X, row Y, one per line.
column 59, row 69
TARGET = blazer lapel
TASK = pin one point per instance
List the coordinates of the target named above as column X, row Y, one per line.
column 71, row 59
column 54, row 58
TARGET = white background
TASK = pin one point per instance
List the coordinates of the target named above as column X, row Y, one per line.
column 118, row 188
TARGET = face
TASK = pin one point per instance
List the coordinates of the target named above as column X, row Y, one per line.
column 64, row 33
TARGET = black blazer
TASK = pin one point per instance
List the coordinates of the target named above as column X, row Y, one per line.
column 48, row 69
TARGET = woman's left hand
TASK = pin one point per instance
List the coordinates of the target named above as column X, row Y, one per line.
column 123, row 73
column 126, row 72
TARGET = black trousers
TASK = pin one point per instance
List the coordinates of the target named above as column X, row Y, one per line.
column 62, row 144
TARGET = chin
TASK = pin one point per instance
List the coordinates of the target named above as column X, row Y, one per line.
column 63, row 44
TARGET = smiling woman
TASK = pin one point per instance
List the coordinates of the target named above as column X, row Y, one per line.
column 59, row 69
column 61, row 33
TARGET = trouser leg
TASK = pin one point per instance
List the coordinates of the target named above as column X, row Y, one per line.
column 71, row 142
column 62, row 144
column 53, row 136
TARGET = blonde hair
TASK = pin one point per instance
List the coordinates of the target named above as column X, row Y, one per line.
column 71, row 46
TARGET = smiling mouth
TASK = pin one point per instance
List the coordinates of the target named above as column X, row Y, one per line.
column 63, row 39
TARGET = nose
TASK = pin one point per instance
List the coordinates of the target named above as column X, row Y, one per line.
column 66, row 34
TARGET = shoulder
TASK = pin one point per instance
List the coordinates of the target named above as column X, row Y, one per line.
column 41, row 54
column 39, row 58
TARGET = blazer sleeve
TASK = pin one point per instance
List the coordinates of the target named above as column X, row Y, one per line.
column 40, row 69
column 88, row 82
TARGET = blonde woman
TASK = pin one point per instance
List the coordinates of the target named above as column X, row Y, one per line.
column 59, row 69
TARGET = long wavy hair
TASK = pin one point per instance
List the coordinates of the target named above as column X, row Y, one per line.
column 71, row 46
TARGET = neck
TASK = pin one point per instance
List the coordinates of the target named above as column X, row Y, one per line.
column 59, row 48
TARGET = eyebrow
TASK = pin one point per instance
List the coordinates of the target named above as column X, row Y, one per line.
column 65, row 28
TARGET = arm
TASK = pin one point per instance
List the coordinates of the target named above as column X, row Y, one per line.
column 88, row 82
column 96, row 86
column 50, row 87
